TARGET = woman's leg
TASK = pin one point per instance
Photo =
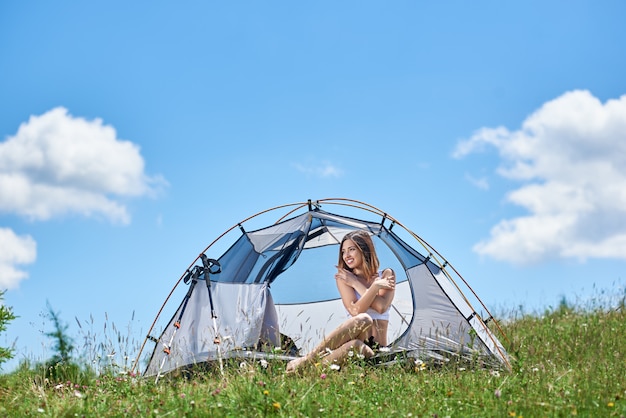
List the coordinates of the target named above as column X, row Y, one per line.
column 339, row 355
column 352, row 329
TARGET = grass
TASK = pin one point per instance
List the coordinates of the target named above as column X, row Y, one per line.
column 567, row 362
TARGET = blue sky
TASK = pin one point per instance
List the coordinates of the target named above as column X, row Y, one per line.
column 132, row 135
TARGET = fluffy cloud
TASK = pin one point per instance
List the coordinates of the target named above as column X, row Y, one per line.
column 570, row 157
column 58, row 164
column 16, row 250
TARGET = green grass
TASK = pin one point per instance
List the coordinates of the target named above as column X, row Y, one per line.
column 567, row 362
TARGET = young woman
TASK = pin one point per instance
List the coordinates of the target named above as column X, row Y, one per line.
column 366, row 294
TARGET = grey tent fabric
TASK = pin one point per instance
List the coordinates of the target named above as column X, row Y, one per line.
column 430, row 315
column 240, row 314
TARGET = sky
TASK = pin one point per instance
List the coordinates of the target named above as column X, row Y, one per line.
column 132, row 134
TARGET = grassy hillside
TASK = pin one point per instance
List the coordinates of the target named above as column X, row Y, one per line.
column 568, row 362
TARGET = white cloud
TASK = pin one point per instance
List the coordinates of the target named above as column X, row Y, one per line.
column 481, row 183
column 570, row 156
column 16, row 250
column 58, row 164
column 322, row 170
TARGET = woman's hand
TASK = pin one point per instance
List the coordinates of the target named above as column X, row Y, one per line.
column 346, row 276
column 385, row 282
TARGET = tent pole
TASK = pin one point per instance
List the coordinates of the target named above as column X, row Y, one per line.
column 208, row 263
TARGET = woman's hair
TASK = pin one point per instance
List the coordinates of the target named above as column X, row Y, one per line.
column 365, row 246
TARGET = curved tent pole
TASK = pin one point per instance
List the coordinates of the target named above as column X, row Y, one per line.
column 318, row 203
column 373, row 209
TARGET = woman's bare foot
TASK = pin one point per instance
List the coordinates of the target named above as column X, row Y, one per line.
column 295, row 363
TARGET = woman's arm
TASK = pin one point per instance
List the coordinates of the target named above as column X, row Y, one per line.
column 378, row 296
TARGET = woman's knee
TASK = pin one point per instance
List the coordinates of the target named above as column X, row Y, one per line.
column 364, row 320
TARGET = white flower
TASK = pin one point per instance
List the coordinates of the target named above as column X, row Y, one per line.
column 419, row 365
column 335, row 367
column 263, row 363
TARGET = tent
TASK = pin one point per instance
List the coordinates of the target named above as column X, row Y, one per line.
column 272, row 293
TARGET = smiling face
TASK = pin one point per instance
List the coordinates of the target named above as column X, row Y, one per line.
column 357, row 252
column 351, row 255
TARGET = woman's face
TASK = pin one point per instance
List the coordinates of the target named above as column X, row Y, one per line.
column 351, row 254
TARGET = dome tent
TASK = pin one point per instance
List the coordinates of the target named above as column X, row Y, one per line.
column 254, row 302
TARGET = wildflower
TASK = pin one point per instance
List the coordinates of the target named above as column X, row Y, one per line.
column 351, row 382
column 78, row 394
column 512, row 414
column 323, row 376
column 497, row 393
column 182, row 396
column 276, row 405
column 335, row 367
column 495, row 373
column 419, row 365
column 610, row 404
column 263, row 363
column 266, row 392
column 261, row 383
